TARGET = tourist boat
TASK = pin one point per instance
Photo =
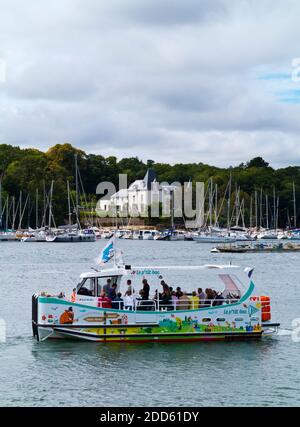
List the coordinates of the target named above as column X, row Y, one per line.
column 237, row 313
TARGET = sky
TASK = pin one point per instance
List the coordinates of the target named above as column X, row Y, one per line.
column 177, row 81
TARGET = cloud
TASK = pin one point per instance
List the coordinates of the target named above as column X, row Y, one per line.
column 172, row 81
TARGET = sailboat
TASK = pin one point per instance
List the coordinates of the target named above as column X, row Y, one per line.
column 6, row 235
column 73, row 233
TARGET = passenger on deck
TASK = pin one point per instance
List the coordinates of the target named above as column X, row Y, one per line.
column 174, row 300
column 219, row 299
column 165, row 286
column 128, row 301
column 178, row 292
column 146, row 289
column 202, row 296
column 165, row 300
column 107, row 286
column 73, row 295
column 183, row 303
column 143, row 303
column 118, row 302
column 194, row 301
column 210, row 296
column 112, row 291
column 130, row 287
column 104, row 301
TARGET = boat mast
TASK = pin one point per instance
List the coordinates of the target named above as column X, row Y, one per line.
column 69, row 203
column 210, row 202
column 267, row 211
column 172, row 209
column 76, row 184
column 274, row 208
column 228, row 202
column 295, row 212
column 251, row 210
column 37, row 209
column 7, row 203
column 13, row 213
column 1, row 203
column 50, row 205
column 277, row 212
column 255, row 195
column 260, row 208
column 20, row 211
column 237, row 205
column 216, row 205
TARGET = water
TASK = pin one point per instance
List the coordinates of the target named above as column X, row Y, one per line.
column 260, row 373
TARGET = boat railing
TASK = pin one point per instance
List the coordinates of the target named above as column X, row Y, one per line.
column 155, row 305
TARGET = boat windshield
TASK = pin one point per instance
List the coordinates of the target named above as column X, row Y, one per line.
column 93, row 286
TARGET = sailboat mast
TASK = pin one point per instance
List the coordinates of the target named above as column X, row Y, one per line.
column 295, row 212
column 1, row 203
column 76, row 184
column 50, row 205
column 267, row 211
column 274, row 208
column 260, row 208
column 251, row 202
column 69, row 203
column 20, row 211
column 210, row 202
column 172, row 210
column 37, row 209
column 228, row 203
column 13, row 213
column 255, row 195
column 7, row 203
column 216, row 205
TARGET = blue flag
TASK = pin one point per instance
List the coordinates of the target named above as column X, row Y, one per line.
column 107, row 252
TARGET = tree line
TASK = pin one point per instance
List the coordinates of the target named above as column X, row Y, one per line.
column 31, row 171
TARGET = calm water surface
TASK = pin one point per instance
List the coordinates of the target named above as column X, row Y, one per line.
column 78, row 373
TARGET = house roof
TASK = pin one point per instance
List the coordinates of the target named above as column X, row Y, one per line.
column 149, row 178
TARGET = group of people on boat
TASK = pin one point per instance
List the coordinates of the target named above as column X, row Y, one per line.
column 167, row 299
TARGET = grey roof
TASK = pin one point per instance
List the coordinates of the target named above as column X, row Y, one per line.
column 149, row 178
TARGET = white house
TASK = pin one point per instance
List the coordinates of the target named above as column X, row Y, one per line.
column 136, row 199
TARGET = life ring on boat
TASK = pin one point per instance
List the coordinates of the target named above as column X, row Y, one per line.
column 254, row 298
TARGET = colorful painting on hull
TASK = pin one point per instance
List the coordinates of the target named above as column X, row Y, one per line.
column 242, row 317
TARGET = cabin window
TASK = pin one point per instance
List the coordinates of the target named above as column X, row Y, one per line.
column 103, row 283
column 206, row 319
column 221, row 319
column 87, row 287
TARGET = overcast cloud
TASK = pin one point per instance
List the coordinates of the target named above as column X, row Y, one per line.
column 169, row 80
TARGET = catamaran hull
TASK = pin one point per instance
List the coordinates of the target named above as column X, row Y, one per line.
column 93, row 336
